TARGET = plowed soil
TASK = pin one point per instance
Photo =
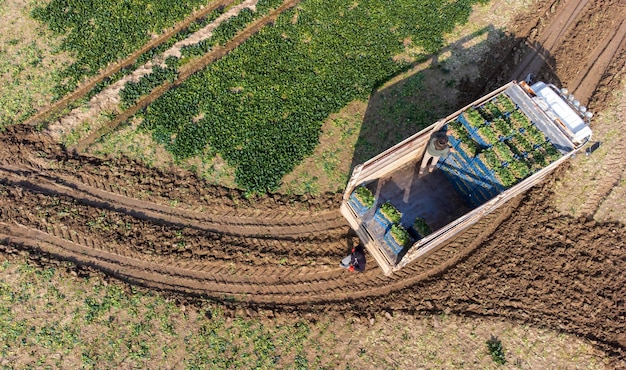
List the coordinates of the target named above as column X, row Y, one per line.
column 169, row 230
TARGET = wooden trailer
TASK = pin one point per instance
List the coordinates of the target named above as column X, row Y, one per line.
column 478, row 176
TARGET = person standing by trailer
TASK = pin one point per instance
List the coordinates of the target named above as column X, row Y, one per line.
column 354, row 261
column 438, row 146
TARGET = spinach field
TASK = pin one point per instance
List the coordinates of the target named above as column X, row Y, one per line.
column 261, row 107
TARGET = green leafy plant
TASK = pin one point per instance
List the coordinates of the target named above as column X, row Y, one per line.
column 519, row 120
column 519, row 169
column 98, row 33
column 504, row 103
column 522, row 142
column 390, row 212
column 503, row 152
column 503, row 126
column 400, row 235
column 538, row 160
column 421, row 227
column 490, row 111
column 535, row 135
column 552, row 154
column 506, row 177
column 457, row 130
column 490, row 158
column 132, row 91
column 467, row 144
column 473, row 117
column 365, row 196
column 494, row 346
column 487, row 134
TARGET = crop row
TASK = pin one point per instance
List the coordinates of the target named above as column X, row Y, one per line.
column 504, row 138
column 97, row 33
column 262, row 106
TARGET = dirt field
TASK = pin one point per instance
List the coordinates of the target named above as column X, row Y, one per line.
column 553, row 258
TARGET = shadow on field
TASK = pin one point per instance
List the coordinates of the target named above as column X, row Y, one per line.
column 427, row 91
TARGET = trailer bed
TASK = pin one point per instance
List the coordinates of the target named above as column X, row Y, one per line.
column 430, row 196
column 503, row 144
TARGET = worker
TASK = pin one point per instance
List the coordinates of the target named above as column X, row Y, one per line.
column 437, row 147
column 355, row 261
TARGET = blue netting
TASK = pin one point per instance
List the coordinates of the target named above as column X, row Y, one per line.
column 469, row 175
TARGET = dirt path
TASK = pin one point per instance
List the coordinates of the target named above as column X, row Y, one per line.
column 207, row 267
column 550, row 37
column 262, row 224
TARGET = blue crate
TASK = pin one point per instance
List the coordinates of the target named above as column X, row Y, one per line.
column 392, row 245
column 356, row 204
column 460, row 155
column 414, row 233
column 382, row 220
column 453, row 140
column 465, row 123
column 479, row 196
column 454, row 160
column 473, row 132
column 487, row 175
column 461, row 188
column 468, row 175
column 474, row 136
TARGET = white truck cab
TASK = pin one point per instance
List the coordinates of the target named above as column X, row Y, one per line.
column 561, row 107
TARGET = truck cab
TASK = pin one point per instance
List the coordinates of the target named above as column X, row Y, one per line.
column 501, row 145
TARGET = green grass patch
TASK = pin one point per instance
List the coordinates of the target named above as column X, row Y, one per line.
column 28, row 76
column 49, row 319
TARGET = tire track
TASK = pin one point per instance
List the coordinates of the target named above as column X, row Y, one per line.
column 614, row 166
column 41, row 209
column 598, row 62
column 272, row 226
column 264, row 285
column 549, row 39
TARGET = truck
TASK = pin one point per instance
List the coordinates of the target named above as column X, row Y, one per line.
column 500, row 145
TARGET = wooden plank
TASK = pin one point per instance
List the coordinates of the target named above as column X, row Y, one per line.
column 368, row 242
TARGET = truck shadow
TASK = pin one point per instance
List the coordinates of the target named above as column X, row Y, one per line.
column 438, row 85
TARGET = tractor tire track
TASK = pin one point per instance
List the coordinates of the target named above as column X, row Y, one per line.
column 273, row 225
column 598, row 62
column 550, row 38
column 264, row 284
column 599, row 58
column 614, row 169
